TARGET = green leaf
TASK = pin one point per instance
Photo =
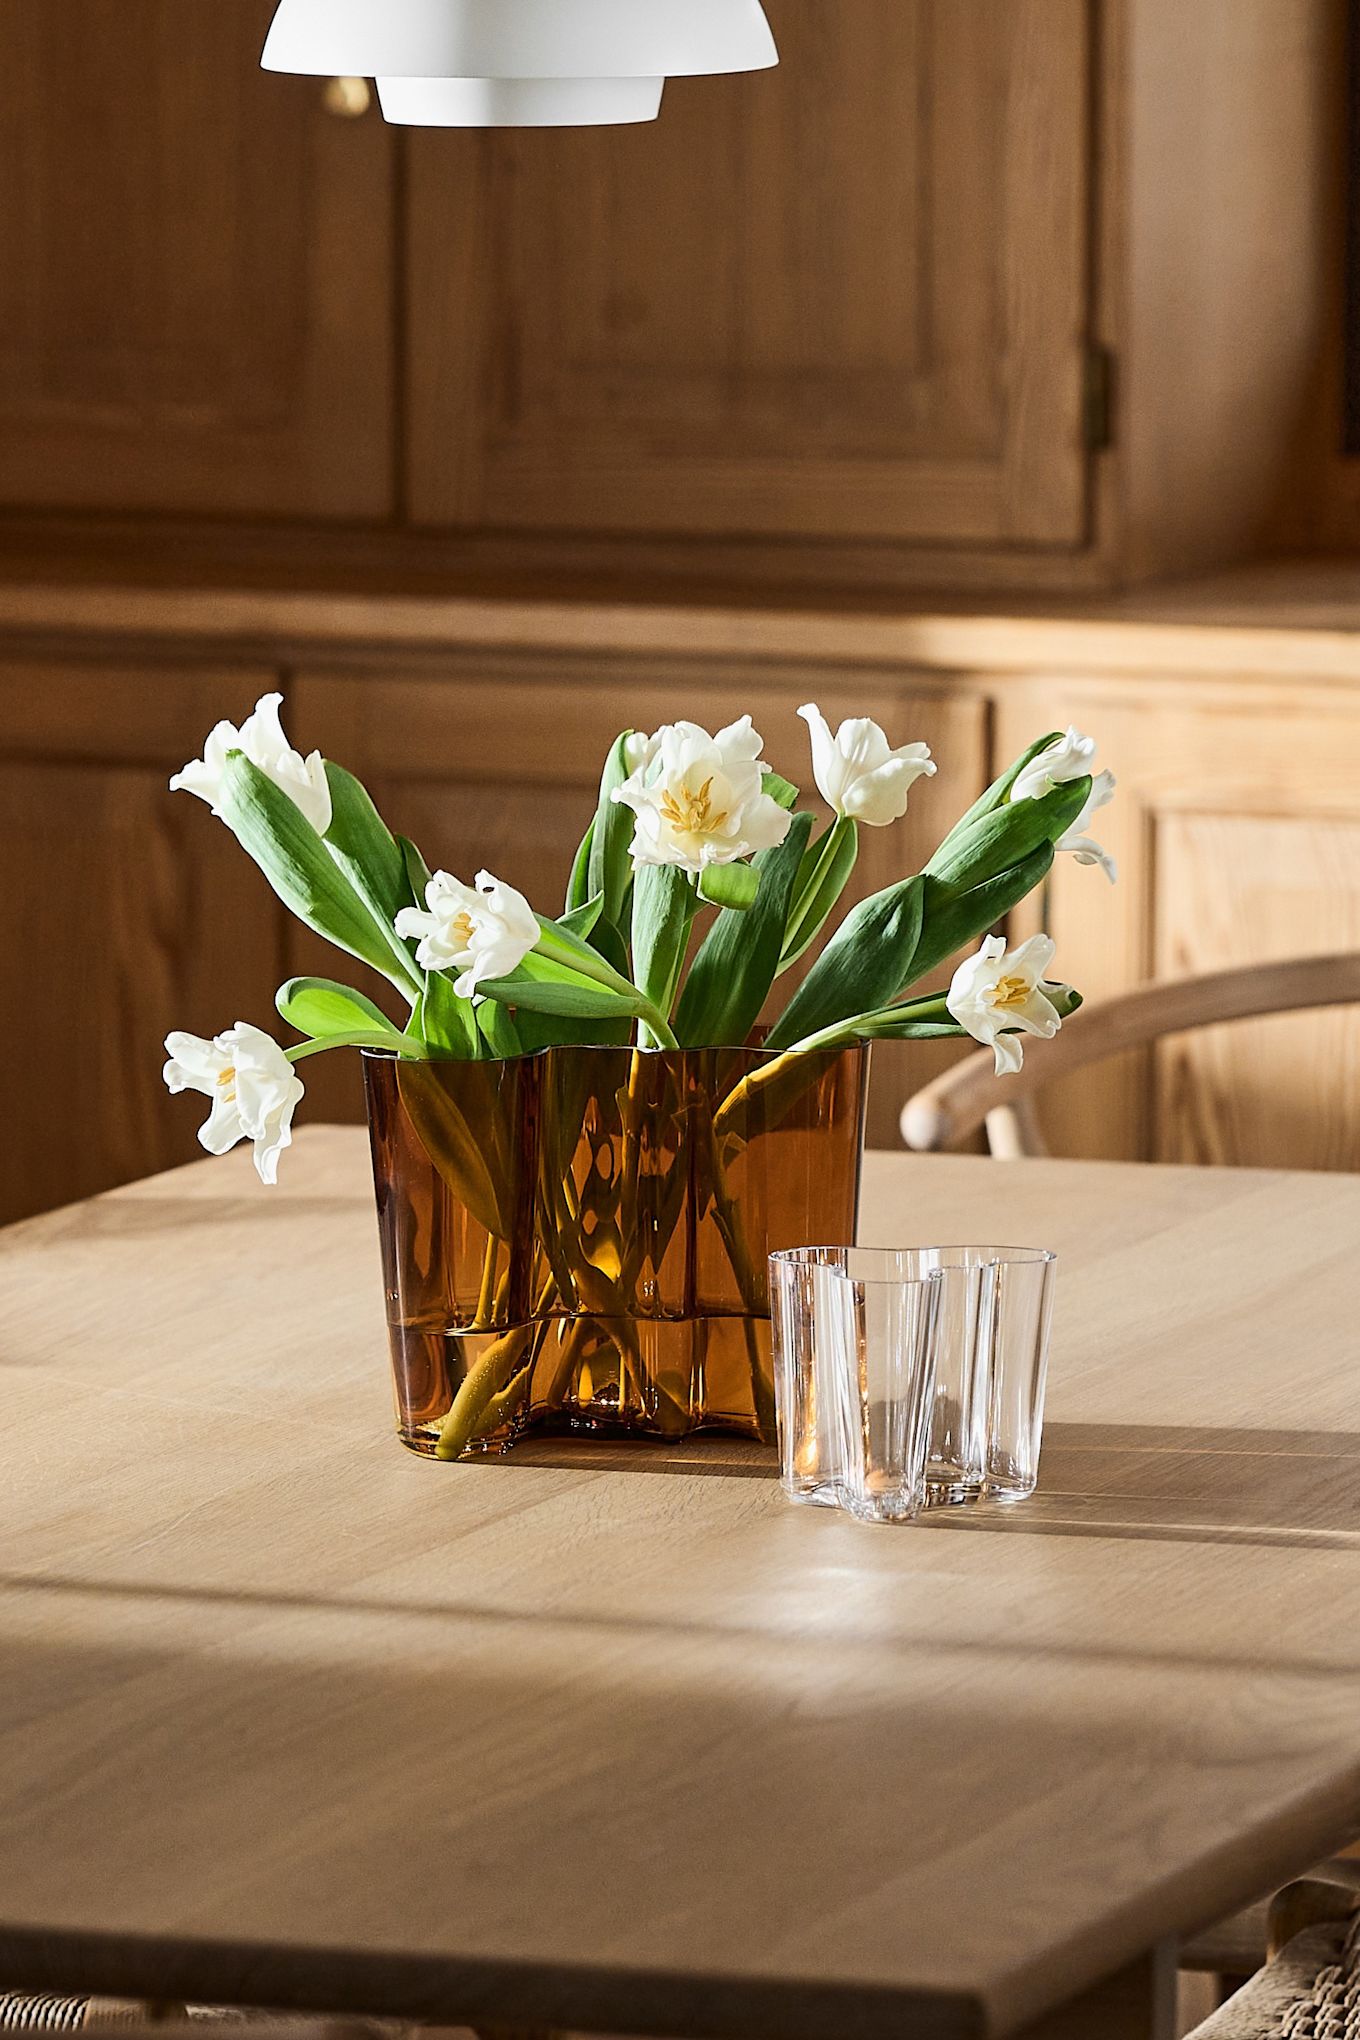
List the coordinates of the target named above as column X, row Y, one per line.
column 464, row 1135
column 863, row 966
column 826, row 870
column 1007, row 836
column 999, row 789
column 954, row 920
column 730, row 885
column 417, row 872
column 541, row 985
column 580, row 921
column 781, row 791
column 559, row 943
column 364, row 847
column 448, row 1023
column 607, row 942
column 610, row 867
column 499, row 1032
column 578, row 886
column 318, row 1007
column 664, row 905
column 730, row 978
column 273, row 831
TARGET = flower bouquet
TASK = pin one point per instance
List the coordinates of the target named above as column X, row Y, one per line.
column 585, row 1144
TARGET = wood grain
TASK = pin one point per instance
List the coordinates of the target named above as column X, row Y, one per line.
column 280, row 592
column 195, row 272
column 126, row 911
column 1236, row 101
column 840, row 301
column 1232, row 887
column 1234, row 832
column 626, row 1743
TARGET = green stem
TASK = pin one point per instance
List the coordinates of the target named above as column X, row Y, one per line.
column 398, row 1045
column 868, row 1026
column 652, row 1023
column 799, row 937
column 486, row 1300
column 727, row 1216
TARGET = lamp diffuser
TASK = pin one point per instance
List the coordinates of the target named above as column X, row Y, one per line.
column 499, row 39
column 519, row 102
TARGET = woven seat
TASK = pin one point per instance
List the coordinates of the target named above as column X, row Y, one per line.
column 23, row 2011
column 1309, row 1991
column 1331, row 2008
column 45, row 2012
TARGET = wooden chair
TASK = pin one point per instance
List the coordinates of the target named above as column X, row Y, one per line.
column 128, row 2019
column 1309, row 1988
column 971, row 1094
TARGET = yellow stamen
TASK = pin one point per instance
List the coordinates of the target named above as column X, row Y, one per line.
column 695, row 817
column 1011, row 992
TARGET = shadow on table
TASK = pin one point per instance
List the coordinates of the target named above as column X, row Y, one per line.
column 731, row 1458
column 1200, row 1484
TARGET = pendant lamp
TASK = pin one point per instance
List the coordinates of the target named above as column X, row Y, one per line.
column 587, row 40
column 519, row 102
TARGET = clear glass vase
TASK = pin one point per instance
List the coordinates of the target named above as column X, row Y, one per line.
column 578, row 1241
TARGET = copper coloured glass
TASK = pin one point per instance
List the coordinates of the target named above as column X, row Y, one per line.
column 578, row 1241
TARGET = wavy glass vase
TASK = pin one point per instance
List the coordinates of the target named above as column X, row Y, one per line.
column 577, row 1241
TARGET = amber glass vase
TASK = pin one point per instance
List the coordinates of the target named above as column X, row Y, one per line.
column 577, row 1241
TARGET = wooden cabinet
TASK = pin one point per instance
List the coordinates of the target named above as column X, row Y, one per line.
column 196, row 277
column 843, row 301
column 953, row 297
column 1237, row 829
column 497, row 762
column 125, row 911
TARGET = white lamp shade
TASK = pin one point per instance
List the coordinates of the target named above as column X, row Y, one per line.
column 519, row 102
column 483, row 39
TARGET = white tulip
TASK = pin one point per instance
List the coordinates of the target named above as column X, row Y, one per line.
column 1077, row 842
column 1071, row 756
column 999, row 989
column 262, row 739
column 484, row 933
column 700, row 800
column 254, row 1090
column 858, row 774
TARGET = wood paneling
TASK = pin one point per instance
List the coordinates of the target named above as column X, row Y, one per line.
column 1232, row 888
column 1218, row 174
column 1237, row 830
column 839, row 301
column 195, row 271
column 126, row 911
column 498, row 766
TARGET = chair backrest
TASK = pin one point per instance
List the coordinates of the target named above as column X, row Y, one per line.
column 957, row 1103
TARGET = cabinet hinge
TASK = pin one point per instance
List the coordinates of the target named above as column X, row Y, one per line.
column 1098, row 399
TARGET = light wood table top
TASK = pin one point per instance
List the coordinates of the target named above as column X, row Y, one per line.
column 620, row 1740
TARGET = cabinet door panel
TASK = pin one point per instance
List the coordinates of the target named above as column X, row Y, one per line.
column 126, row 911
column 498, row 764
column 195, row 271
column 841, row 300
column 1234, row 847
column 1234, row 888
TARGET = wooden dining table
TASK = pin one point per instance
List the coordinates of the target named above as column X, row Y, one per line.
column 614, row 1739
